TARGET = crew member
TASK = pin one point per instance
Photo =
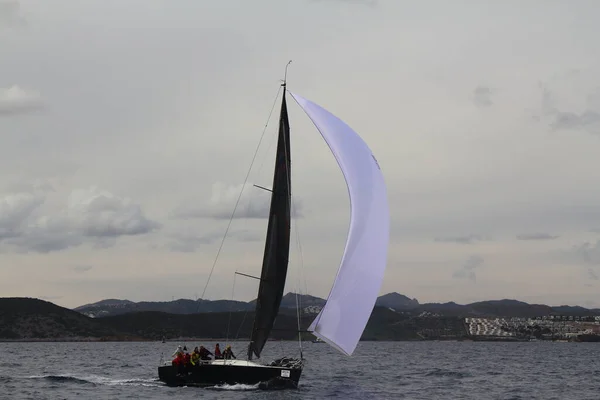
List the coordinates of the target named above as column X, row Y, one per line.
column 228, row 353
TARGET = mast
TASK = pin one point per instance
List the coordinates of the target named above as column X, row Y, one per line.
column 277, row 244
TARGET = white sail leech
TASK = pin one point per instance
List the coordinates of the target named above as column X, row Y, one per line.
column 342, row 320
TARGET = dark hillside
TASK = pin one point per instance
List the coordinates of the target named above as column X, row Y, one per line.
column 155, row 325
column 26, row 318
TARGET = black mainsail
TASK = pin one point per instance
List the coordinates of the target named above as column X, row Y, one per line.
column 277, row 245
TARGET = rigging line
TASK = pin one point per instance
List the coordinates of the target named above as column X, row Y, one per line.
column 300, row 270
column 230, row 309
column 301, row 275
column 237, row 335
column 240, row 196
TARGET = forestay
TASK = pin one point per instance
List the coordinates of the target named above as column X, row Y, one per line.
column 342, row 320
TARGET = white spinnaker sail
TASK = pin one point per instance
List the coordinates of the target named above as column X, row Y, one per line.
column 342, row 320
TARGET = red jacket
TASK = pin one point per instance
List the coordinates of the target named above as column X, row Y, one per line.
column 179, row 359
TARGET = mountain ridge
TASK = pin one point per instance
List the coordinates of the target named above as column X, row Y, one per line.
column 29, row 319
column 312, row 304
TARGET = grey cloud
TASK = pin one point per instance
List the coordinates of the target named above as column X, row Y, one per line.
column 469, row 239
column 52, row 237
column 584, row 254
column 592, row 274
column 468, row 270
column 589, row 253
column 15, row 100
column 82, row 268
column 588, row 120
column 253, row 204
column 106, row 242
column 10, row 13
column 536, row 236
column 189, row 242
column 102, row 214
column 15, row 209
column 91, row 216
column 482, row 96
column 370, row 3
column 247, row 236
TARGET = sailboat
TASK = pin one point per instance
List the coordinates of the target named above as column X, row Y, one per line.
column 343, row 318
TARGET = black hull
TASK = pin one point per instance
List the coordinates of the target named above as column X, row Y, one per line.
column 210, row 374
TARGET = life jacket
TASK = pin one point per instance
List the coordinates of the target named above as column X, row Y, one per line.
column 178, row 359
column 186, row 358
column 218, row 352
column 194, row 358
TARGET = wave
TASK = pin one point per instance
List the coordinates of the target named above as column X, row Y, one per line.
column 448, row 373
column 61, row 378
column 236, row 387
column 10, row 364
column 96, row 380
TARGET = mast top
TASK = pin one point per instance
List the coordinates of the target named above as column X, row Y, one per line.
column 284, row 82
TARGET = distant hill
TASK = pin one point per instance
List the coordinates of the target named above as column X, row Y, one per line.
column 180, row 306
column 33, row 319
column 26, row 318
column 397, row 301
column 312, row 305
column 107, row 308
column 107, row 303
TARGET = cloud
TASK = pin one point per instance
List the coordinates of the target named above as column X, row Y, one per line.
column 15, row 209
column 370, row 3
column 189, row 242
column 9, row 13
column 15, row 100
column 587, row 119
column 101, row 214
column 253, row 204
column 469, row 239
column 93, row 216
column 536, row 236
column 468, row 269
column 585, row 254
column 482, row 96
column 82, row 268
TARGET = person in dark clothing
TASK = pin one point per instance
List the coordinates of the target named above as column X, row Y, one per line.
column 218, row 354
column 187, row 360
column 228, row 353
column 204, row 353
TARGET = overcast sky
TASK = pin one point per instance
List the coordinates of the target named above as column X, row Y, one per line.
column 128, row 127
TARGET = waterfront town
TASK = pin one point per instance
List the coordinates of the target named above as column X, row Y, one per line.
column 552, row 327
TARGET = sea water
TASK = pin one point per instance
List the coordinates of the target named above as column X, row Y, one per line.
column 377, row 370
